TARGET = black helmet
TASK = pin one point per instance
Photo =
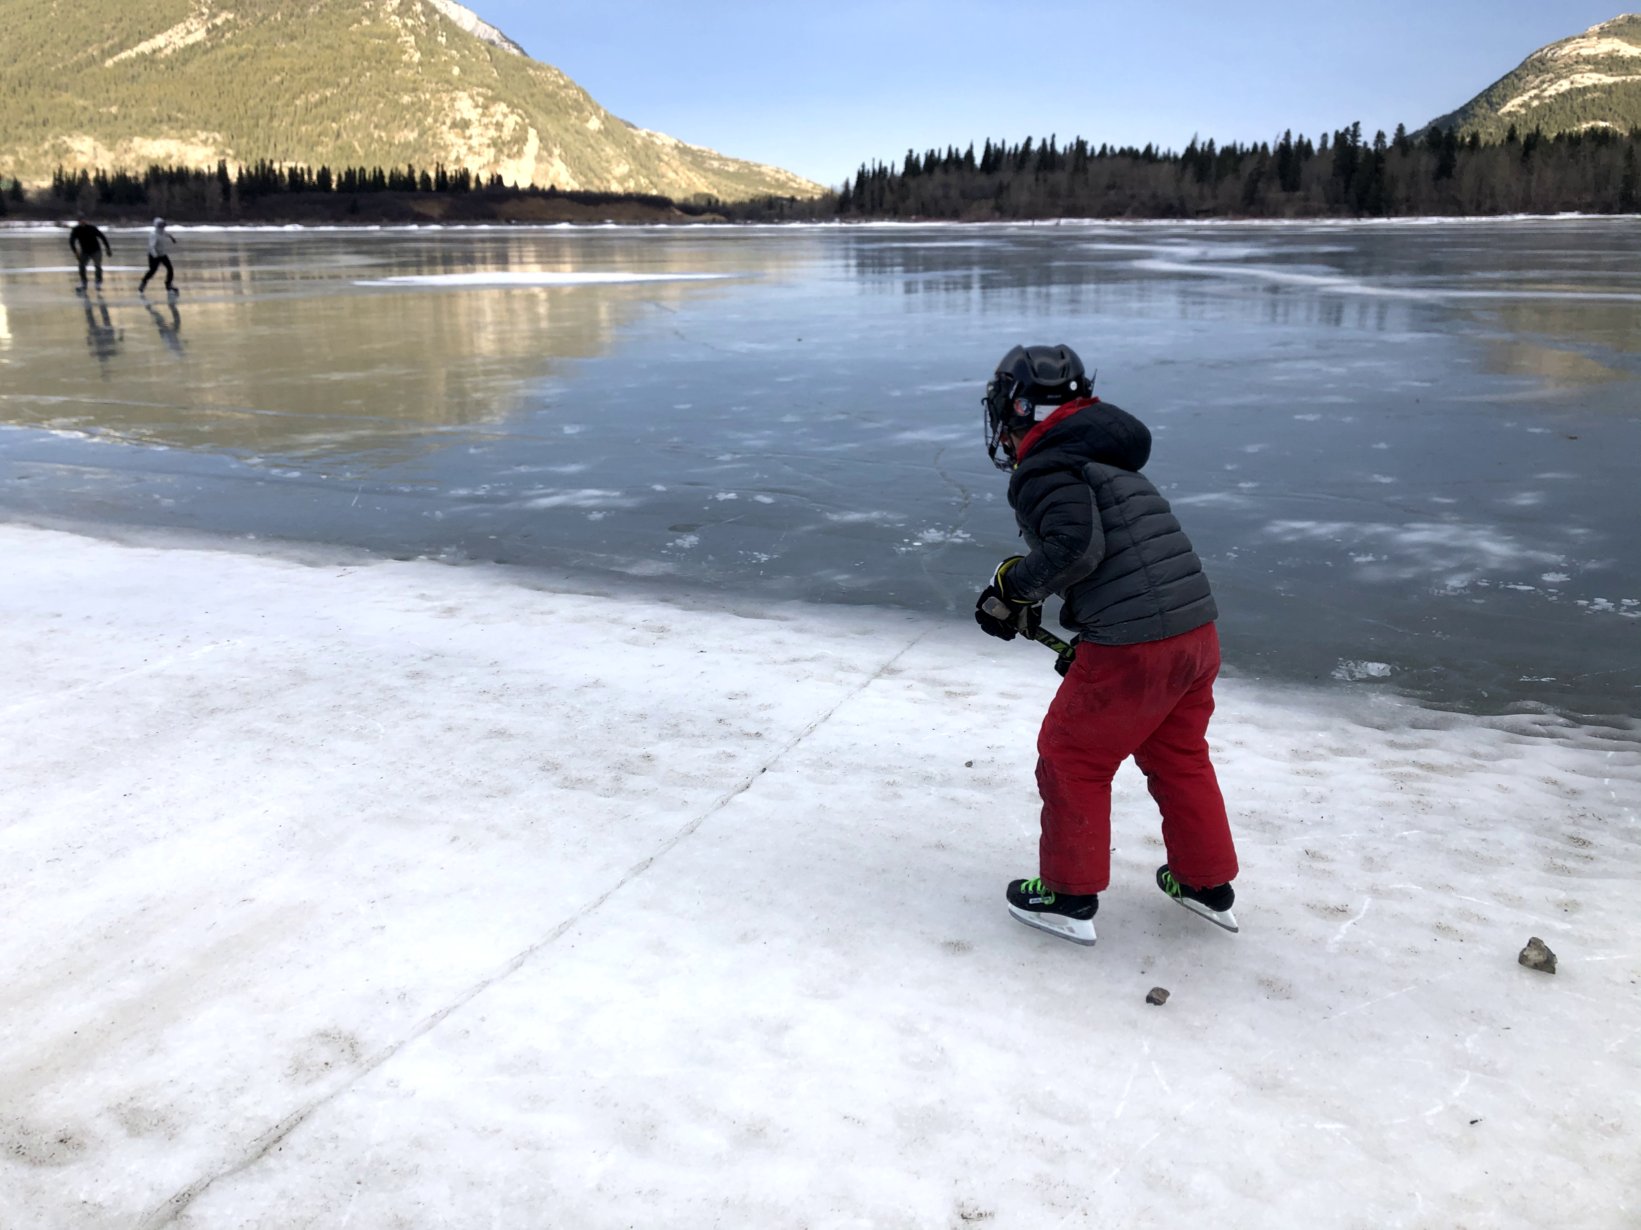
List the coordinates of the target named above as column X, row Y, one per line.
column 1028, row 377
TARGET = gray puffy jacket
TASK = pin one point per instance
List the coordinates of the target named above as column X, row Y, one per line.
column 1100, row 535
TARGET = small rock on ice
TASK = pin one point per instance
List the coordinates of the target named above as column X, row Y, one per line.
column 1537, row 955
column 1156, row 995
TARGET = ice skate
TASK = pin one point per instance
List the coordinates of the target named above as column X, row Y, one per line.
column 1214, row 904
column 1062, row 914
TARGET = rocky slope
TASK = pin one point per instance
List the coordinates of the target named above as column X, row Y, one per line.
column 1592, row 80
column 324, row 82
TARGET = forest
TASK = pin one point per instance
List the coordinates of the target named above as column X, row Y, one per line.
column 1438, row 173
column 1341, row 175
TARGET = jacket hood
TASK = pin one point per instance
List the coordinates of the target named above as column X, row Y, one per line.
column 1083, row 431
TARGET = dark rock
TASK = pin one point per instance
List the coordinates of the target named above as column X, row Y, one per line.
column 1156, row 995
column 1537, row 955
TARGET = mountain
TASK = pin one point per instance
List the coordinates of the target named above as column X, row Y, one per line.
column 324, row 82
column 1588, row 81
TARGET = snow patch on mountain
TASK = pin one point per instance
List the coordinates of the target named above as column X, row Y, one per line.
column 476, row 25
column 1542, row 88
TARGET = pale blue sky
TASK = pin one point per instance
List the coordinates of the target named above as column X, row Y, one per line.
column 820, row 88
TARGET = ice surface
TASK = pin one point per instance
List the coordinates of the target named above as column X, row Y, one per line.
column 1379, row 437
column 371, row 894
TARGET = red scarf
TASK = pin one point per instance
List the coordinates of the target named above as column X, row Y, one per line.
column 1040, row 429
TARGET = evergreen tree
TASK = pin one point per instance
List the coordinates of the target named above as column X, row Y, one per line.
column 1448, row 160
column 1287, row 163
column 1629, row 190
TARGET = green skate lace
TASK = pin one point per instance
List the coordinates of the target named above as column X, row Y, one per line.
column 1034, row 888
column 1170, row 885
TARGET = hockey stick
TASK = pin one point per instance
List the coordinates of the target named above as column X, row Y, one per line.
column 996, row 608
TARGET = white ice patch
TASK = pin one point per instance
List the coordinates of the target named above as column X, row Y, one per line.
column 1211, row 499
column 726, row 495
column 1342, row 285
column 1456, row 553
column 510, row 279
column 1352, row 670
column 18, row 270
column 586, row 497
column 934, row 537
column 864, row 518
column 1629, row 608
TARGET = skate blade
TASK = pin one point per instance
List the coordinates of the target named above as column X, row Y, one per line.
column 1220, row 918
column 1077, row 930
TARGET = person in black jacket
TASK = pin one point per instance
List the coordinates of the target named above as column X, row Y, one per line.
column 1146, row 651
column 88, row 244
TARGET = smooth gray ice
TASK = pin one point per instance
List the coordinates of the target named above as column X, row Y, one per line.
column 1406, row 452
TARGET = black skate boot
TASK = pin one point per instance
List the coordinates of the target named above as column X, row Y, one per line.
column 1214, row 904
column 1069, row 917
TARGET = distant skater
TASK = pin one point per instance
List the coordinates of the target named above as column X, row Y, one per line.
column 1141, row 681
column 88, row 245
column 160, row 243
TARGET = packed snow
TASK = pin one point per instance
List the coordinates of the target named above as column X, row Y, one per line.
column 353, row 892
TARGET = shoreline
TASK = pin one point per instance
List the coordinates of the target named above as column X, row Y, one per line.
column 1358, row 698
column 19, row 226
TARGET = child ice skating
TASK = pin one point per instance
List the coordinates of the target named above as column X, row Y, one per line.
column 160, row 243
column 1146, row 651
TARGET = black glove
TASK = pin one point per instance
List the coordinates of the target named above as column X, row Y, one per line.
column 1003, row 616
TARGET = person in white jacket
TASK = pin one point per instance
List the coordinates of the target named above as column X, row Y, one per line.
column 160, row 243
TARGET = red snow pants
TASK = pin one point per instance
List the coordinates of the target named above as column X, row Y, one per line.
column 1152, row 702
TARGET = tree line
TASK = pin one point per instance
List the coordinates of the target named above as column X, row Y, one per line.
column 1342, row 174
column 220, row 192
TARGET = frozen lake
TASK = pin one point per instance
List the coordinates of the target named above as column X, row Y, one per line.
column 1406, row 452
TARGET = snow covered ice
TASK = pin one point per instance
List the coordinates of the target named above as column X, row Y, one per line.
column 347, row 890
column 374, row 893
